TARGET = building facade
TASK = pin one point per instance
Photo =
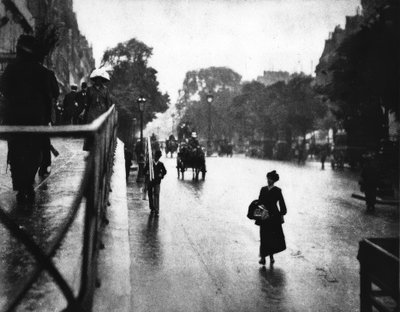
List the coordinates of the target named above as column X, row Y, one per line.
column 270, row 77
column 72, row 59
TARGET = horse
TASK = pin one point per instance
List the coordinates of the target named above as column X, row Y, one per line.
column 225, row 149
column 191, row 158
column 171, row 146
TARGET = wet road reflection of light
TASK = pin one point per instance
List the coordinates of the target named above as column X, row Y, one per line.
column 210, row 249
column 41, row 220
column 150, row 242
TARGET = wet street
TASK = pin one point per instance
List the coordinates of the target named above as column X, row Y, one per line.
column 41, row 220
column 201, row 253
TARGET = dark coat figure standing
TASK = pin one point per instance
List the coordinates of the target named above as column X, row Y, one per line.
column 369, row 180
column 323, row 154
column 26, row 87
column 272, row 239
column 98, row 99
column 45, row 166
column 70, row 105
column 81, row 99
column 153, row 186
column 128, row 161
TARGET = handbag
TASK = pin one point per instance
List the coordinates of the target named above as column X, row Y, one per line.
column 261, row 213
column 257, row 211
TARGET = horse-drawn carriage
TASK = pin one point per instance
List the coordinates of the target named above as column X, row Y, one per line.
column 225, row 148
column 344, row 152
column 191, row 157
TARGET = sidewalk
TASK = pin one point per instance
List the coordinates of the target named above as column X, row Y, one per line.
column 54, row 195
column 41, row 219
column 114, row 293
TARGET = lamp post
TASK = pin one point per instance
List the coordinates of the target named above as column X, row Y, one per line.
column 141, row 101
column 210, row 98
column 134, row 131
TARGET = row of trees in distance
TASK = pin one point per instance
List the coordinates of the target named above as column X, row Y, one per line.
column 250, row 110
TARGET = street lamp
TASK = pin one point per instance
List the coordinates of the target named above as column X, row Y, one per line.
column 141, row 101
column 134, row 120
column 210, row 98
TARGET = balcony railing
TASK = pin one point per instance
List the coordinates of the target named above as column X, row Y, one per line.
column 95, row 187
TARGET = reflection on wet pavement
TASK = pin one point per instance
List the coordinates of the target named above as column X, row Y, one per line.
column 204, row 254
column 41, row 219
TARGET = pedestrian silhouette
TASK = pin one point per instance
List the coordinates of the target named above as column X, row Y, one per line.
column 272, row 239
column 70, row 105
column 153, row 186
column 81, row 99
column 98, row 99
column 369, row 179
column 26, row 86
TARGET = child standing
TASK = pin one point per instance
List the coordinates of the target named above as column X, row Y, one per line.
column 154, row 185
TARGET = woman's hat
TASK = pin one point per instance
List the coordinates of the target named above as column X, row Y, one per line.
column 273, row 176
column 100, row 72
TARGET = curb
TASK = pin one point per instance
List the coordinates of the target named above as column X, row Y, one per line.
column 378, row 200
column 114, row 261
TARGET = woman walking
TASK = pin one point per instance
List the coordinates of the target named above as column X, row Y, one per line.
column 272, row 239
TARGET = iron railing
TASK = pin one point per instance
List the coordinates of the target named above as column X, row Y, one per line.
column 95, row 186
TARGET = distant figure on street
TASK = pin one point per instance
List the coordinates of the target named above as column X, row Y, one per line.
column 323, row 154
column 81, row 99
column 301, row 155
column 272, row 239
column 59, row 113
column 153, row 186
column 369, row 180
column 70, row 105
column 139, row 149
column 128, row 161
column 26, row 86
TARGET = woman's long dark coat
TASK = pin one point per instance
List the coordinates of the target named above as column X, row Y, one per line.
column 272, row 239
column 98, row 102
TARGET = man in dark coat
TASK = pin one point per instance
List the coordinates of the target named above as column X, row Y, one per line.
column 26, row 87
column 323, row 154
column 81, row 99
column 369, row 179
column 53, row 93
column 154, row 185
column 70, row 105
